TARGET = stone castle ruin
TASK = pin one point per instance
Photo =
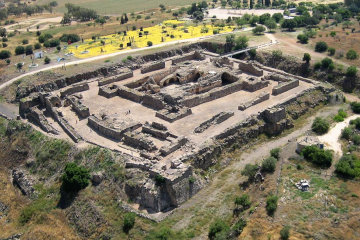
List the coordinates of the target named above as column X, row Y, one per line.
column 170, row 116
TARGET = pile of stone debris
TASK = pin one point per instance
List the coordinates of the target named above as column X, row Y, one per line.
column 303, row 185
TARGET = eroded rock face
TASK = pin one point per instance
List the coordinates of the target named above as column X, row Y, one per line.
column 24, row 182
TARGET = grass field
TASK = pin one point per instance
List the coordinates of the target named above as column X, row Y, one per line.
column 117, row 7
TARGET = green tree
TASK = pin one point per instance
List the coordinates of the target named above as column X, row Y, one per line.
column 243, row 201
column 304, row 39
column 75, row 178
column 271, row 204
column 250, row 171
column 271, row 25
column 355, row 106
column 149, row 43
column 290, row 24
column 217, row 228
column 331, row 51
column 269, row 165
column 129, row 222
column 275, row 152
column 307, row 57
column 351, row 54
column 4, row 54
column 29, row 50
column 277, row 17
column 241, row 42
column 320, row 126
column 19, row 50
column 258, row 30
column 321, row 46
column 351, row 71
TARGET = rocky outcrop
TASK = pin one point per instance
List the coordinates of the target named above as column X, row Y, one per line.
column 24, row 182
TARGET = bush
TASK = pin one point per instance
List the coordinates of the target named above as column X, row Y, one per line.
column 275, row 153
column 217, row 228
column 47, row 60
column 29, row 50
column 331, row 51
column 356, row 139
column 258, row 30
column 356, row 122
column 326, row 63
column 307, row 57
column 252, row 53
column 320, row 126
column 44, row 37
column 4, row 39
column 271, row 204
column 321, row 47
column 129, row 222
column 19, row 50
column 52, row 43
column 4, row 45
column 351, row 55
column 317, row 65
column 250, row 171
column 355, row 107
column 70, row 37
column 269, row 165
column 25, row 41
column 347, row 133
column 303, row 38
column 58, row 48
column 351, row 71
column 37, row 46
column 243, row 201
column 149, row 43
column 285, row 233
column 340, row 116
column 348, row 167
column 317, row 156
column 159, row 180
column 75, row 178
column 4, row 54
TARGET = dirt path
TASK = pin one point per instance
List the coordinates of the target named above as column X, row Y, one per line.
column 229, row 179
column 31, row 23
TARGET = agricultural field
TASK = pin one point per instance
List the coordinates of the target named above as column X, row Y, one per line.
column 168, row 31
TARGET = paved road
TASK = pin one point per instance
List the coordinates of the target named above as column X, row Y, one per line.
column 114, row 54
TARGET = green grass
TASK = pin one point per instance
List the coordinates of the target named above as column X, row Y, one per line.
column 118, row 6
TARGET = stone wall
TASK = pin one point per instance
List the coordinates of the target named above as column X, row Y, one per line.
column 153, row 102
column 157, row 133
column 249, row 67
column 108, row 91
column 254, row 85
column 122, row 76
column 172, row 116
column 81, row 110
column 28, row 102
column 284, row 87
column 261, row 98
column 36, row 116
column 196, row 55
column 130, row 94
column 139, row 141
column 216, row 119
column 166, row 150
column 74, row 89
column 152, row 67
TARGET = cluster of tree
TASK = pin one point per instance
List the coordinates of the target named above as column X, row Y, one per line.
column 317, row 156
column 21, row 8
column 238, row 43
column 74, row 178
column 78, row 13
column 70, row 38
column 197, row 10
column 221, row 230
column 124, row 19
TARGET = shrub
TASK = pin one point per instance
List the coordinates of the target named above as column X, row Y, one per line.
column 29, row 50
column 159, row 180
column 129, row 222
column 351, row 71
column 271, row 204
column 356, row 139
column 19, row 50
column 4, row 45
column 47, row 60
column 320, row 126
column 250, row 171
column 243, row 201
column 269, row 164
column 320, row 157
column 355, row 107
column 346, row 133
column 4, row 54
column 275, row 152
column 317, row 65
column 285, row 233
column 58, row 48
column 149, row 43
column 351, row 54
column 25, row 41
column 321, row 47
column 307, row 57
column 44, row 37
column 326, row 63
column 37, row 46
column 348, row 167
column 216, row 228
column 258, row 30
column 4, row 39
column 70, row 37
column 356, row 122
column 252, row 53
column 331, row 51
column 303, row 38
column 239, row 227
column 75, row 178
column 129, row 58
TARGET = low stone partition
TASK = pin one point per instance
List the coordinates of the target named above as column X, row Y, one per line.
column 77, row 105
column 108, row 91
column 130, row 94
column 279, row 77
column 120, row 77
column 172, row 115
column 28, row 102
column 153, row 102
column 35, row 115
column 252, row 85
column 107, row 130
column 249, row 67
column 275, row 114
column 166, row 150
column 152, row 67
column 216, row 119
column 139, row 141
column 157, row 133
column 261, row 98
column 196, row 55
column 229, row 77
column 157, row 77
column 284, row 87
column 74, row 89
